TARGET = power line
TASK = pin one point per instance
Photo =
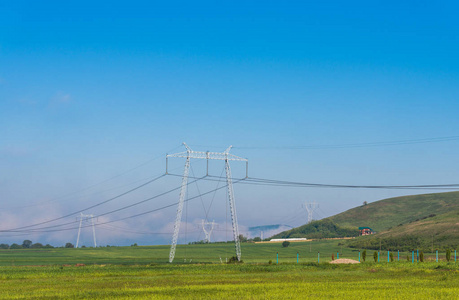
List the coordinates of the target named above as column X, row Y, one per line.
column 121, row 219
column 358, row 145
column 87, row 208
column 93, row 185
column 274, row 182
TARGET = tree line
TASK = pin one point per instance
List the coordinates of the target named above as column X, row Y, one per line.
column 27, row 244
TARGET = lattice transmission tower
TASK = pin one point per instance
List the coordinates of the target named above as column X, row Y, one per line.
column 225, row 156
column 207, row 227
column 90, row 220
column 310, row 207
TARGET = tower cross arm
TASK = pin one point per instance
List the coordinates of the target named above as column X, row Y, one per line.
column 208, row 155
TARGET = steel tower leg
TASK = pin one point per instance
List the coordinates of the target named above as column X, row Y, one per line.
column 93, row 231
column 233, row 210
column 179, row 210
column 79, row 230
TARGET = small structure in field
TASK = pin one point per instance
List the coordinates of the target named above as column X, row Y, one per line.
column 366, row 231
column 344, row 261
column 289, row 240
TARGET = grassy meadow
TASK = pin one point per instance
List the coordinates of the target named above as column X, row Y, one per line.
column 143, row 273
column 198, row 253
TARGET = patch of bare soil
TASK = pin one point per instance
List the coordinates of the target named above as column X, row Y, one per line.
column 344, row 261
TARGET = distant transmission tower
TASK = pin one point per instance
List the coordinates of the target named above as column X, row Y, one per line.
column 226, row 156
column 310, row 207
column 207, row 227
column 90, row 219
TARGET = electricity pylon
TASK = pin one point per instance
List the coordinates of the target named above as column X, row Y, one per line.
column 226, row 156
column 207, row 225
column 310, row 207
column 86, row 219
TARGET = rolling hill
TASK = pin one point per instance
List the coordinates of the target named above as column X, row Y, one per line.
column 427, row 221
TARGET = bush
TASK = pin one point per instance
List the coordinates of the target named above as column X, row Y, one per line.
column 391, row 255
column 364, row 255
column 15, row 246
column 421, row 256
column 375, row 256
column 270, row 262
column 285, row 244
column 448, row 254
column 333, row 256
column 69, row 245
column 234, row 260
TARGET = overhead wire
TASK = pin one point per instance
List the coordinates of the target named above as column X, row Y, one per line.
column 124, row 218
column 274, row 182
column 356, row 145
column 87, row 208
column 93, row 185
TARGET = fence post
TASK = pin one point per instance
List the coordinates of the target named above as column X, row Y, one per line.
column 412, row 256
column 297, row 257
column 277, row 254
column 378, row 256
column 359, row 255
column 417, row 255
column 436, row 254
column 388, row 255
column 337, row 255
column 454, row 255
column 318, row 257
column 398, row 255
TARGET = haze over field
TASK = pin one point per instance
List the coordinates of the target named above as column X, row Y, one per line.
column 93, row 96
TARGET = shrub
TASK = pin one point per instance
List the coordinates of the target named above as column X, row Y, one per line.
column 407, row 258
column 375, row 256
column 421, row 256
column 15, row 246
column 364, row 255
column 333, row 256
column 391, row 255
column 448, row 254
column 285, row 244
column 233, row 260
column 270, row 262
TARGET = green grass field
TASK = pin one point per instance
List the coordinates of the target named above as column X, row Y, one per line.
column 143, row 273
column 199, row 253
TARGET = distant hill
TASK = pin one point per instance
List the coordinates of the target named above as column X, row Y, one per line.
column 266, row 230
column 384, row 214
column 318, row 230
column 427, row 221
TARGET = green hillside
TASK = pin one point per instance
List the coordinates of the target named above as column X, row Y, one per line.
column 428, row 221
column 319, row 230
column 427, row 234
column 384, row 214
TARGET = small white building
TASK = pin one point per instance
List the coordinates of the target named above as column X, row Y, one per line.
column 289, row 240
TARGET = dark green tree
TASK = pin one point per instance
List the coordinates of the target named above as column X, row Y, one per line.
column 4, row 246
column 15, row 246
column 421, row 256
column 375, row 256
column 26, row 244
column 364, row 255
column 391, row 255
column 448, row 254
column 285, row 244
column 69, row 245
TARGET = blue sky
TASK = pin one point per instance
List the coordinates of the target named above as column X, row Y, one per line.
column 90, row 90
